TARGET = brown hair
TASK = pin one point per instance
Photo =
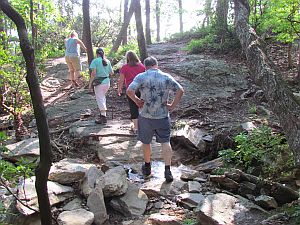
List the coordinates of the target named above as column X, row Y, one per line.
column 132, row 58
column 100, row 53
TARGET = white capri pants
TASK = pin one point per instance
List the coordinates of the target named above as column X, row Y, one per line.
column 100, row 92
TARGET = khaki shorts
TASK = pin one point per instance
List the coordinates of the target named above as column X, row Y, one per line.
column 73, row 63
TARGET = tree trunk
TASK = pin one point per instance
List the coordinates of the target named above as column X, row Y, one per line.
column 42, row 170
column 33, row 25
column 298, row 66
column 2, row 32
column 140, row 31
column 87, row 29
column 157, row 13
column 279, row 96
column 290, row 61
column 180, row 16
column 123, row 30
column 124, row 41
column 148, row 31
column 208, row 13
column 221, row 19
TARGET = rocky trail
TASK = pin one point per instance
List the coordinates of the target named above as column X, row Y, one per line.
column 96, row 177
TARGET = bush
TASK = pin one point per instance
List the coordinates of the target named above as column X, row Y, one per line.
column 192, row 34
column 260, row 153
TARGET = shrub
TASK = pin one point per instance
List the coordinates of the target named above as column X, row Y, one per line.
column 260, row 153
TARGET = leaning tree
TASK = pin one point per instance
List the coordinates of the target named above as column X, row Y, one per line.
column 42, row 170
column 279, row 96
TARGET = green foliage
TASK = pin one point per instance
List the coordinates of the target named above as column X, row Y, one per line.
column 261, row 153
column 253, row 109
column 122, row 51
column 192, row 34
column 189, row 221
column 209, row 40
column 12, row 172
column 281, row 17
column 12, row 72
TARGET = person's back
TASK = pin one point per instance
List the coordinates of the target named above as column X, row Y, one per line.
column 155, row 89
column 72, row 48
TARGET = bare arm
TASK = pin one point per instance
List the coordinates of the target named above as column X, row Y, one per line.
column 120, row 83
column 81, row 44
column 93, row 74
column 176, row 99
column 131, row 93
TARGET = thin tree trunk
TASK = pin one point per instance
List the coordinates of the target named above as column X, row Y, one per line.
column 221, row 19
column 33, row 26
column 290, row 61
column 208, row 12
column 148, row 31
column 87, row 30
column 124, row 41
column 2, row 31
column 42, row 170
column 140, row 31
column 123, row 30
column 180, row 16
column 157, row 13
column 279, row 96
column 298, row 60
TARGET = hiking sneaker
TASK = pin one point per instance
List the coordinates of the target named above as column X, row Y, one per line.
column 146, row 170
column 101, row 120
column 168, row 176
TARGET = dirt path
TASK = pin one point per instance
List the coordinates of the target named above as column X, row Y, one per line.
column 216, row 100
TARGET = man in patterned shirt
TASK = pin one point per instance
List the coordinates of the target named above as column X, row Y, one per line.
column 154, row 119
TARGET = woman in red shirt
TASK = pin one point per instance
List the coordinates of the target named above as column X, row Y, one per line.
column 127, row 73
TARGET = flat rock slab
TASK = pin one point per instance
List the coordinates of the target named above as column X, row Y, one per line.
column 113, row 141
column 70, row 110
column 28, row 148
column 89, row 128
column 225, row 209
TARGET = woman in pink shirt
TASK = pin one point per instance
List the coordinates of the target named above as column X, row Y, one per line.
column 127, row 73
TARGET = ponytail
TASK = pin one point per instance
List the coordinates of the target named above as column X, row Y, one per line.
column 100, row 52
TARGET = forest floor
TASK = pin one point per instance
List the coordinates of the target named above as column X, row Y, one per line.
column 205, row 107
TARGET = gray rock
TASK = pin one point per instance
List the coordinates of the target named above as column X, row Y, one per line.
column 190, row 200
column 132, row 204
column 76, row 217
column 194, row 187
column 157, row 218
column 68, row 171
column 224, row 209
column 266, row 202
column 76, row 203
column 28, row 149
column 114, row 182
column 26, row 191
column 96, row 205
column 89, row 181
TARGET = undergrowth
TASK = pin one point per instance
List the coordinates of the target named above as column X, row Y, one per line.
column 261, row 153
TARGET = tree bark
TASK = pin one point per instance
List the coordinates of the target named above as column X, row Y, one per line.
column 157, row 13
column 180, row 16
column 125, row 40
column 42, row 170
column 221, row 19
column 280, row 98
column 148, row 30
column 123, row 30
column 87, row 29
column 33, row 25
column 140, row 31
column 2, row 31
column 208, row 13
